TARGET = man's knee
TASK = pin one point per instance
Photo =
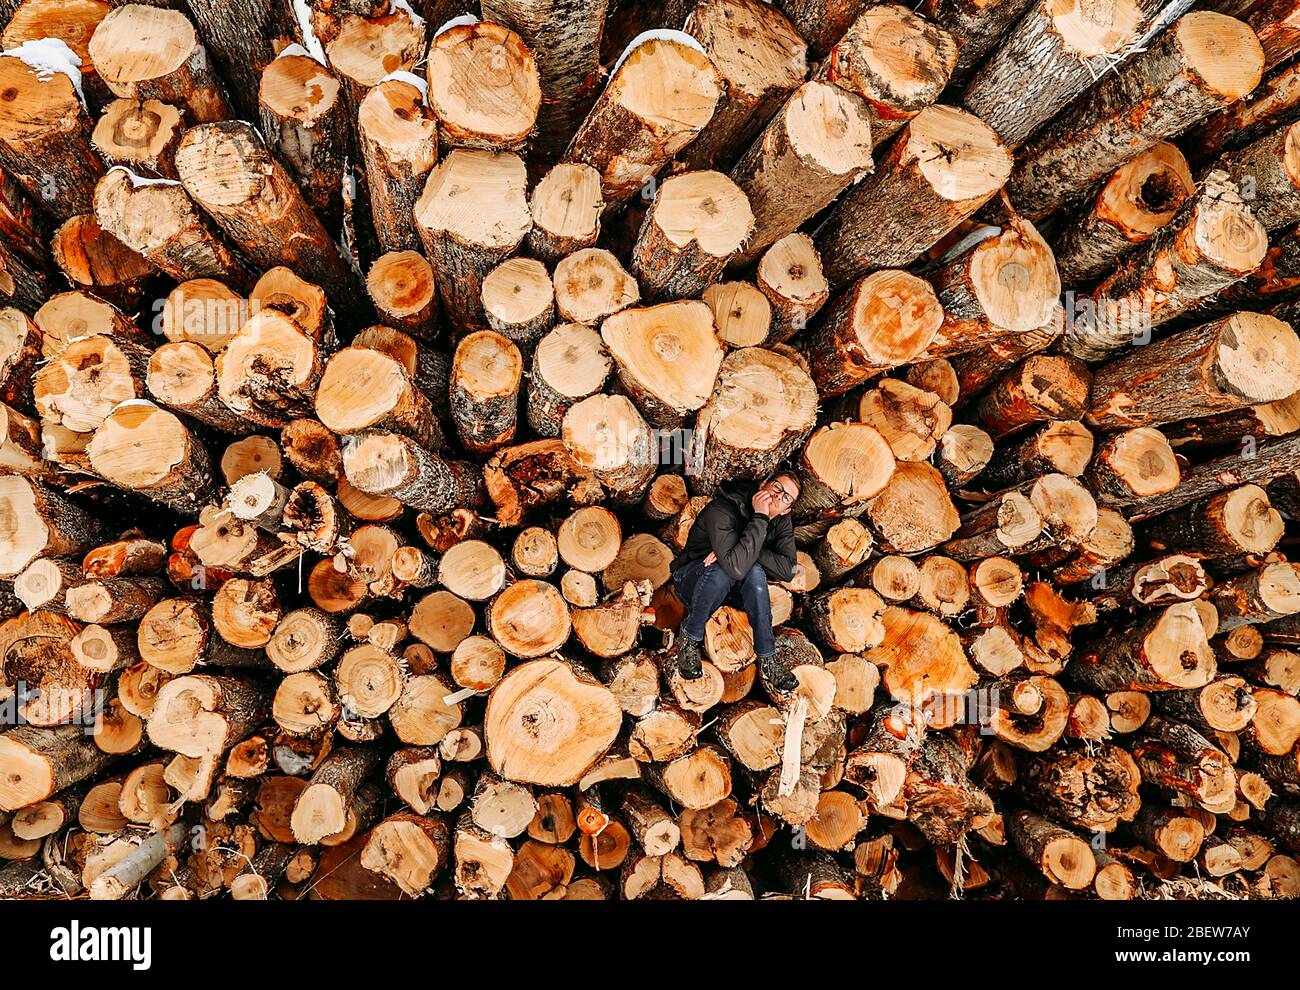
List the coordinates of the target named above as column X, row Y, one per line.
column 755, row 577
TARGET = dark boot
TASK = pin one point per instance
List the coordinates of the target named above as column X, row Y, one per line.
column 776, row 676
column 688, row 659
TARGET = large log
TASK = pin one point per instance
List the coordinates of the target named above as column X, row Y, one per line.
column 943, row 166
column 1201, row 63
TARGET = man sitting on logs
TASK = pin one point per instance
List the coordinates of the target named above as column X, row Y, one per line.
column 743, row 538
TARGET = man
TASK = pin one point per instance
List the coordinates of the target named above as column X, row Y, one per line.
column 741, row 539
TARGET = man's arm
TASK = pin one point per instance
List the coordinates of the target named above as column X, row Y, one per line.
column 779, row 555
column 737, row 549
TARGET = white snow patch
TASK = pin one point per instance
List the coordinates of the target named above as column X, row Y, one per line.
column 969, row 241
column 662, row 34
column 49, row 56
column 402, row 75
column 456, row 22
column 313, row 46
column 140, row 181
column 294, row 49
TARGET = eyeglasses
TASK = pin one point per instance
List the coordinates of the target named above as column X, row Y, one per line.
column 777, row 489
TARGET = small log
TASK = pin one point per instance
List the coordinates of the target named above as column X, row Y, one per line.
column 1235, row 522
column 762, row 409
column 1006, row 284
column 301, row 110
column 564, row 37
column 152, row 53
column 202, row 715
column 566, row 206
column 1221, row 366
column 45, row 138
column 760, row 58
column 1043, row 387
column 590, row 285
column 262, row 212
column 666, row 358
column 1168, row 649
column 485, row 379
column 519, row 301
column 400, row 284
column 37, row 522
column 144, row 448
column 569, row 364
column 270, row 370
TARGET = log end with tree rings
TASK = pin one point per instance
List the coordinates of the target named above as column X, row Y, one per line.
column 534, row 552
column 485, row 376
column 667, row 357
column 283, row 291
column 845, row 463
column 142, row 51
column 887, row 319
column 298, row 88
column 790, row 275
column 896, row 60
column 366, row 49
column 529, row 619
column 1252, row 356
column 763, row 407
column 590, row 285
column 569, row 364
column 245, row 375
column 914, row 512
column 566, row 206
column 1223, row 52
column 697, row 222
column 139, row 134
column 472, row 569
column 401, row 285
column 1015, row 279
column 547, row 723
column 519, row 300
column 741, row 313
column 483, row 86
column 473, row 202
column 1139, row 198
column 361, row 388
column 441, row 620
column 960, row 157
column 661, row 95
column 1138, row 462
column 590, row 538
column 145, row 448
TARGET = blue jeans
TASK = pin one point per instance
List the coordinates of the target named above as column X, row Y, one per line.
column 706, row 589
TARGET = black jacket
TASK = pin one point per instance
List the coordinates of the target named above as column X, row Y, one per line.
column 730, row 528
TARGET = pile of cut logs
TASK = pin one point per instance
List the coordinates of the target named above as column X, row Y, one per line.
column 364, row 365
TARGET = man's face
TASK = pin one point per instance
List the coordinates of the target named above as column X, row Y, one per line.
column 781, row 492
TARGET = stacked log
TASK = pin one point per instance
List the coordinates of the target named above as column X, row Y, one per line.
column 359, row 383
